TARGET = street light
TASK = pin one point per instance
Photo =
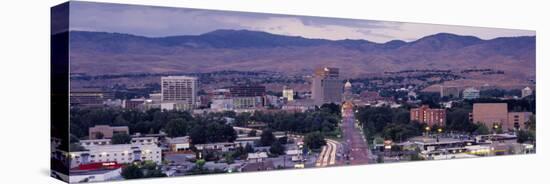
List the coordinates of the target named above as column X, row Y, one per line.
column 427, row 130
column 439, row 130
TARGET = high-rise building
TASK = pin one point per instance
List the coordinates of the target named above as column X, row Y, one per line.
column 288, row 93
column 326, row 86
column 424, row 114
column 470, row 93
column 179, row 92
column 527, row 91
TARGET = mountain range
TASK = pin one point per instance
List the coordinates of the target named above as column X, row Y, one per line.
column 97, row 53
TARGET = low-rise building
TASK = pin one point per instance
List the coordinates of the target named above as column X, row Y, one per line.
column 300, row 105
column 119, row 153
column 179, row 143
column 256, row 157
column 221, row 146
column 98, row 175
column 105, row 131
column 135, row 141
column 470, row 94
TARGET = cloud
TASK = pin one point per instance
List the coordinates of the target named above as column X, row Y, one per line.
column 162, row 21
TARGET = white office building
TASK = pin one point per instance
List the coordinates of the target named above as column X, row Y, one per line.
column 178, row 92
column 470, row 93
column 120, row 153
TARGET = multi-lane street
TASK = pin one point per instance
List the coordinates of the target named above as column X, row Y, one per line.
column 327, row 157
column 355, row 147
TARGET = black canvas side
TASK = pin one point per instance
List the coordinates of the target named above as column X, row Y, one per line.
column 59, row 91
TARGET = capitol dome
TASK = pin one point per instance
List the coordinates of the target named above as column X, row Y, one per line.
column 347, row 85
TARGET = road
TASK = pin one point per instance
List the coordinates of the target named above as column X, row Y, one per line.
column 327, row 157
column 356, row 149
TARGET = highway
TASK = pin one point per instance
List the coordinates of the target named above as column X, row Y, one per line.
column 327, row 157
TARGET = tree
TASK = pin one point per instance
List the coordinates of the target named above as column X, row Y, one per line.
column 132, row 172
column 402, row 117
column 277, row 148
column 229, row 158
column 198, row 134
column 121, row 138
column 380, row 158
column 248, row 148
column 267, row 138
column 252, row 133
column 459, row 120
column 481, row 129
column 176, row 128
column 525, row 136
column 314, row 140
column 400, row 132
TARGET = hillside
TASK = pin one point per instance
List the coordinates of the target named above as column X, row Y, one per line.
column 99, row 53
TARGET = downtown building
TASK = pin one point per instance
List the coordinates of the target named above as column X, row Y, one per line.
column 178, row 92
column 449, row 91
column 288, row 93
column 89, row 97
column 425, row 114
column 470, row 94
column 496, row 114
column 238, row 98
column 247, row 96
column 326, row 86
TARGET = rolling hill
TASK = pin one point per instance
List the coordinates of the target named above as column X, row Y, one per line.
column 98, row 53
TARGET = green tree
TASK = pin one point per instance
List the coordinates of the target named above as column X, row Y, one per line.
column 267, row 138
column 402, row 117
column 481, row 129
column 314, row 140
column 176, row 128
column 121, row 138
column 277, row 148
column 132, row 172
column 525, row 136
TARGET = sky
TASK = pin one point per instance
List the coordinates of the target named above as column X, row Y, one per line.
column 162, row 21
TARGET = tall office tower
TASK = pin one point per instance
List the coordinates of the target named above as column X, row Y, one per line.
column 179, row 92
column 326, row 86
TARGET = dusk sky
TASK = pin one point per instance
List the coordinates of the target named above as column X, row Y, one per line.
column 162, row 21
